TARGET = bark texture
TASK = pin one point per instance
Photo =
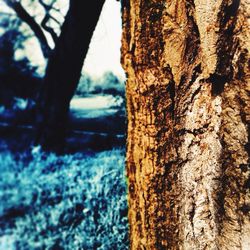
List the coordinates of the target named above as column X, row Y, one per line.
column 188, row 123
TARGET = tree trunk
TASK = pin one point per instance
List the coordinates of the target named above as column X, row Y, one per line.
column 64, row 70
column 188, row 123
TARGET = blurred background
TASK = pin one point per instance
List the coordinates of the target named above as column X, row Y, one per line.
column 75, row 199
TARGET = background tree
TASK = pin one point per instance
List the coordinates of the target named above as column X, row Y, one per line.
column 65, row 63
column 17, row 76
column 64, row 70
column 38, row 28
column 188, row 123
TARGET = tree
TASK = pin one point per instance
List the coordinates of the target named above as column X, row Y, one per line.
column 17, row 75
column 188, row 123
column 24, row 15
column 64, row 66
column 64, row 70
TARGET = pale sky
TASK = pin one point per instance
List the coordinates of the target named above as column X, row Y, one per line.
column 104, row 51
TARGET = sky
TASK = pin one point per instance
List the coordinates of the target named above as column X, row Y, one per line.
column 104, row 50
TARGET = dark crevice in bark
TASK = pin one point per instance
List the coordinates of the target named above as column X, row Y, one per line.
column 192, row 213
column 160, row 213
column 231, row 10
column 171, row 90
column 196, row 72
column 218, row 82
column 247, row 145
column 146, row 214
column 247, row 183
column 245, row 209
column 195, row 132
column 184, row 86
column 192, row 38
column 220, row 200
column 244, row 167
column 131, row 188
column 151, row 54
column 168, row 166
column 196, row 92
column 243, row 60
column 182, row 81
column 226, row 47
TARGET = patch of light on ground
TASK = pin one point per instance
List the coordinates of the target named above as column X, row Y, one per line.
column 95, row 102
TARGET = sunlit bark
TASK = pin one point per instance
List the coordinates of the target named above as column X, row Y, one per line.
column 188, row 123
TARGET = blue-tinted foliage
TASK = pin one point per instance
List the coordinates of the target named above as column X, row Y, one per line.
column 108, row 84
column 63, row 202
column 17, row 76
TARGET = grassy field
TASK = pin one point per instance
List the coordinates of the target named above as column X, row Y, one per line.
column 75, row 201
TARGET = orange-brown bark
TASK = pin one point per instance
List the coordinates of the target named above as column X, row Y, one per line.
column 188, row 122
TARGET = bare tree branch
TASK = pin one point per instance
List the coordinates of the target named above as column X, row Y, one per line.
column 48, row 6
column 35, row 27
column 48, row 28
column 47, row 17
column 55, row 20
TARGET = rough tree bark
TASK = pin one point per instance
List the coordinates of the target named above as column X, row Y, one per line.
column 188, row 123
column 63, row 72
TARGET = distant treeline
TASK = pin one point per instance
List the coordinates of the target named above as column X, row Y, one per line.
column 18, row 78
column 107, row 84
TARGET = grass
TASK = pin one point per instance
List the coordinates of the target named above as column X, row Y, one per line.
column 75, row 201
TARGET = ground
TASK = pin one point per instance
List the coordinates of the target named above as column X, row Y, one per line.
column 75, row 201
